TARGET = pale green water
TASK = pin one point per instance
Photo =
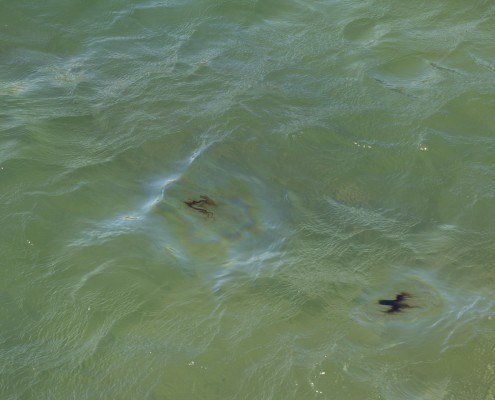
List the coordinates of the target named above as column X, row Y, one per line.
column 350, row 148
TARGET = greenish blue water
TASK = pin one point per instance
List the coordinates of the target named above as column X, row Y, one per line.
column 349, row 148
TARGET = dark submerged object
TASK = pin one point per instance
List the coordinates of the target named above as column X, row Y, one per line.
column 201, row 205
column 396, row 305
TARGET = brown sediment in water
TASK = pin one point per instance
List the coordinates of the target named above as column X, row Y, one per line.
column 396, row 305
column 201, row 205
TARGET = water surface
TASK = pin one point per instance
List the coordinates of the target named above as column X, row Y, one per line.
column 348, row 147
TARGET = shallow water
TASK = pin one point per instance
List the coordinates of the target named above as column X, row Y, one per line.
column 348, row 147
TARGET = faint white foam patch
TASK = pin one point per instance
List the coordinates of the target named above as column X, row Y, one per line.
column 99, row 269
column 15, row 87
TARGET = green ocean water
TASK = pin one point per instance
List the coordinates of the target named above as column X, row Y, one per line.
column 348, row 148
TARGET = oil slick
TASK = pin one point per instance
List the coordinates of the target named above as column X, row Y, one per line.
column 202, row 205
column 396, row 305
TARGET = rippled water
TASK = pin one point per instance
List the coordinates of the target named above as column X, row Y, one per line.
column 348, row 148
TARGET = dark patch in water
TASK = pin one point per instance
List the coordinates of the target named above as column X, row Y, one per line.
column 202, row 205
column 396, row 305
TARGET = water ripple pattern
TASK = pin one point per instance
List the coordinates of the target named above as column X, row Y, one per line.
column 208, row 199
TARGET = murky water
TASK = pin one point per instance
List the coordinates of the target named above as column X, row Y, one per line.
column 348, row 152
